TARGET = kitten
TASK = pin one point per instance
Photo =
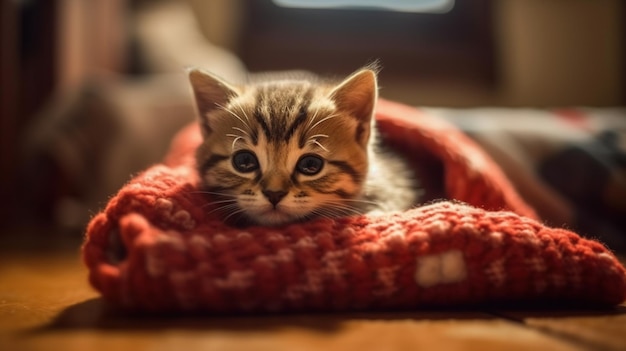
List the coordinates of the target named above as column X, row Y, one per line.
column 294, row 148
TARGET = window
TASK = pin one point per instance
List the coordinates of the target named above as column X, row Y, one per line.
column 435, row 6
column 456, row 45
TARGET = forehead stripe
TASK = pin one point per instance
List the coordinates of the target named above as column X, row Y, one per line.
column 299, row 120
column 280, row 112
column 261, row 121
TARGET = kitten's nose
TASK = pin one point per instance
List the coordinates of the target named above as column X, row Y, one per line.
column 274, row 196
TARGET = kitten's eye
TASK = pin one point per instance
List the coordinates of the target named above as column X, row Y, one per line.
column 309, row 165
column 245, row 162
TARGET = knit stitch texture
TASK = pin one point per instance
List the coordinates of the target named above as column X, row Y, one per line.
column 485, row 245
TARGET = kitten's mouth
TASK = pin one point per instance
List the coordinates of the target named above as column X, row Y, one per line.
column 274, row 216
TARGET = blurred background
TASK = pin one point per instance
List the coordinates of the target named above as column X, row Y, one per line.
column 92, row 91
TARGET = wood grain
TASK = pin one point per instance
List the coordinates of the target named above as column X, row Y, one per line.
column 46, row 303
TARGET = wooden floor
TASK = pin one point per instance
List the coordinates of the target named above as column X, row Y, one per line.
column 47, row 304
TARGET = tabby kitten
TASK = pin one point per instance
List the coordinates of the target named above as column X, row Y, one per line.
column 289, row 149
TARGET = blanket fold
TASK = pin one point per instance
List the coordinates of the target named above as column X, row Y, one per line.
column 157, row 246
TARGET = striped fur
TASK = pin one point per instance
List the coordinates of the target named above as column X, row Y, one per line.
column 264, row 143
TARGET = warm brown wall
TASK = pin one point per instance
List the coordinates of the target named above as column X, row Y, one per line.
column 550, row 53
column 561, row 52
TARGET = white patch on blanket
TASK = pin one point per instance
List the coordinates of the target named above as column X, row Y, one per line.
column 386, row 277
column 496, row 272
column 445, row 268
column 236, row 280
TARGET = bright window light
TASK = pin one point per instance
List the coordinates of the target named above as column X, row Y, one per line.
column 430, row 6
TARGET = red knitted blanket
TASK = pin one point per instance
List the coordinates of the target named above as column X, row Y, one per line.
column 485, row 246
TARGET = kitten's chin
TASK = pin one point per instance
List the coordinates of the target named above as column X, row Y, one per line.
column 274, row 218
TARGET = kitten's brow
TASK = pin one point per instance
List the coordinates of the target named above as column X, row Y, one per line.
column 237, row 138
column 292, row 129
column 240, row 137
column 238, row 103
column 301, row 141
column 259, row 118
column 310, row 128
column 241, row 130
column 234, row 114
column 323, row 120
column 317, row 110
column 313, row 140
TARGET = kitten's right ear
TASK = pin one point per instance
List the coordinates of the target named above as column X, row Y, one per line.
column 210, row 93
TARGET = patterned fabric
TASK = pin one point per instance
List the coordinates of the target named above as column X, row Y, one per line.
column 177, row 256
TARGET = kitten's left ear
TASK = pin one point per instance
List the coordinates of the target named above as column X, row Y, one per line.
column 210, row 93
column 357, row 96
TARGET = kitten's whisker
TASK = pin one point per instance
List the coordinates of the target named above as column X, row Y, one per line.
column 210, row 204
column 211, row 193
column 344, row 211
column 244, row 112
column 323, row 120
column 315, row 142
column 312, row 119
column 337, row 209
column 223, row 198
column 223, row 208
column 347, row 208
column 342, row 202
column 235, row 142
column 228, row 201
column 232, row 214
column 234, row 115
column 237, row 138
column 243, row 131
column 318, row 136
column 333, row 212
column 369, row 202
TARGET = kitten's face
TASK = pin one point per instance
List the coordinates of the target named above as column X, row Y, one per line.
column 284, row 151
